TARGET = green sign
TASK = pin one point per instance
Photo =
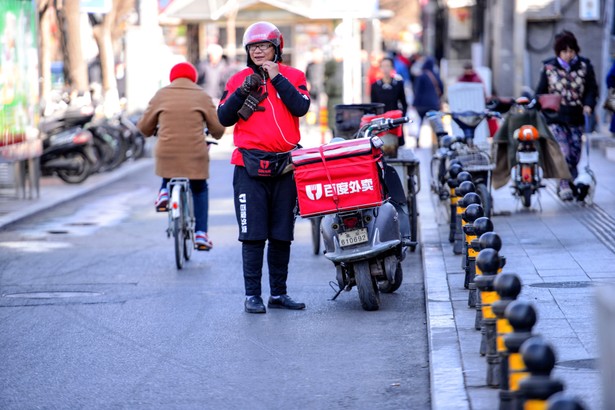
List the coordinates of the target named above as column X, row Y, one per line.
column 19, row 72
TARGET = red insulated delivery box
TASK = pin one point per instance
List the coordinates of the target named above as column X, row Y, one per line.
column 338, row 176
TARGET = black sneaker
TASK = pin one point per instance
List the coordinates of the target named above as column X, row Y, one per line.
column 284, row 302
column 254, row 304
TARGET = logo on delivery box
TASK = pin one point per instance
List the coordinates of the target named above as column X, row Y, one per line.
column 316, row 191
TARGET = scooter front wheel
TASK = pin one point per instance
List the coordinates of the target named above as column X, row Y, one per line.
column 315, row 223
column 367, row 286
column 388, row 287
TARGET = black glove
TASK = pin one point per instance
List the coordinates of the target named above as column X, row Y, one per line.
column 250, row 83
column 251, row 105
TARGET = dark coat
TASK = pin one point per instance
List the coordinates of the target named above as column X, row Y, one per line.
column 610, row 83
column 504, row 148
column 577, row 87
column 428, row 89
column 392, row 95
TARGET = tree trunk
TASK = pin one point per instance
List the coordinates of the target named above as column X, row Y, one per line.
column 45, row 51
column 70, row 23
column 102, row 35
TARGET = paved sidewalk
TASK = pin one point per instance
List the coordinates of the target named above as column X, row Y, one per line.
column 560, row 253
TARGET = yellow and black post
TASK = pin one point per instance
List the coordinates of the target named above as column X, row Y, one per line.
column 488, row 261
column 465, row 186
column 522, row 317
column 508, row 287
column 480, row 226
column 452, row 182
column 539, row 359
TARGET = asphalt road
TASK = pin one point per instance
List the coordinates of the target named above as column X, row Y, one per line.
column 94, row 314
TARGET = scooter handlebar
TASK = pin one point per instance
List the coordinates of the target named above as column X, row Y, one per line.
column 384, row 124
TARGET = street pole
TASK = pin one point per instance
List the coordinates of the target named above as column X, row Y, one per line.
column 352, row 60
column 519, row 39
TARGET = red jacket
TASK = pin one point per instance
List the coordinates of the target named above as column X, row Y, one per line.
column 276, row 129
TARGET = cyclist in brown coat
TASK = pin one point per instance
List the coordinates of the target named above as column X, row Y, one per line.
column 178, row 114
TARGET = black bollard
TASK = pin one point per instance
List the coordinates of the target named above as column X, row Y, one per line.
column 470, row 201
column 561, row 401
column 463, row 188
column 508, row 287
column 488, row 262
column 454, row 170
column 487, row 240
column 479, row 227
column 539, row 359
column 522, row 317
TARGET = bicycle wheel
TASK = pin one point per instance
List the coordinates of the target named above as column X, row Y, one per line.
column 485, row 199
column 413, row 213
column 178, row 226
column 188, row 225
column 178, row 236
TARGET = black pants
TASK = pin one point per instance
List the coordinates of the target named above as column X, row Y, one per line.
column 278, row 256
column 264, row 208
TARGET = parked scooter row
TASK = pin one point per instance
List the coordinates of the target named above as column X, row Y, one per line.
column 76, row 146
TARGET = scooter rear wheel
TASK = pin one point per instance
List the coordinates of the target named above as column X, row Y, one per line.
column 367, row 286
column 80, row 173
column 526, row 197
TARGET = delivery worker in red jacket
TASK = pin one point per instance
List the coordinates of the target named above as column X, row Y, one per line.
column 264, row 102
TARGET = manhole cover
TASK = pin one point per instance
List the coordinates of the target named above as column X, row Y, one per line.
column 81, row 224
column 57, row 232
column 51, row 295
column 580, row 364
column 562, row 285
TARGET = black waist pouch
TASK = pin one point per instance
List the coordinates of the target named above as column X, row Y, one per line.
column 265, row 164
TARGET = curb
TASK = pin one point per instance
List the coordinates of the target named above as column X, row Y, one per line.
column 447, row 382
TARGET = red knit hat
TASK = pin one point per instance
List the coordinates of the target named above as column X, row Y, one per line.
column 183, row 70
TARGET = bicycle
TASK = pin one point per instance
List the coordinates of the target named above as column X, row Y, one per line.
column 462, row 150
column 181, row 219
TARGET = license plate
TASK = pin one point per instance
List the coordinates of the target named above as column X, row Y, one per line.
column 528, row 157
column 352, row 237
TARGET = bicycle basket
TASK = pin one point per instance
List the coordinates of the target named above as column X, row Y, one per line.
column 473, row 160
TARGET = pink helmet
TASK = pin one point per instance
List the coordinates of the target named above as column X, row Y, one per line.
column 263, row 31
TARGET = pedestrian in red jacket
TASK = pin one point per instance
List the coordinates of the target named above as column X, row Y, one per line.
column 264, row 102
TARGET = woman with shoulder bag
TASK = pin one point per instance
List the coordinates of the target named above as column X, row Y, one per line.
column 571, row 76
column 264, row 102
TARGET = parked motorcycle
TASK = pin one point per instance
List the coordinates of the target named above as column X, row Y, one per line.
column 363, row 201
column 67, row 147
column 526, row 174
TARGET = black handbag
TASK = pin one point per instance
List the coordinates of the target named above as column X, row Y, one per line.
column 265, row 164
